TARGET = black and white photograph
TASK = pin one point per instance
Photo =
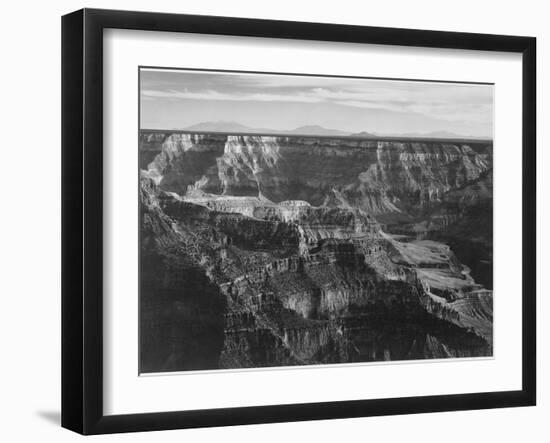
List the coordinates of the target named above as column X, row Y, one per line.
column 266, row 222
column 294, row 220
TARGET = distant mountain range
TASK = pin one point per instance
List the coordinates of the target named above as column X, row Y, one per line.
column 317, row 130
column 434, row 134
column 229, row 126
column 428, row 135
column 364, row 134
column 226, row 126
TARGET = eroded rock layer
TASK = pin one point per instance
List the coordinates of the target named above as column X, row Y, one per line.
column 275, row 251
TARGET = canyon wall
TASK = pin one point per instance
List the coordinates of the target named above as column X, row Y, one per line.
column 380, row 177
column 276, row 250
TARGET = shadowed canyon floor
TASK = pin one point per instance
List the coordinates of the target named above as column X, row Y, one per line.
column 261, row 251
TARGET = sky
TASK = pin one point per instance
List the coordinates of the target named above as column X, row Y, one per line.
column 176, row 99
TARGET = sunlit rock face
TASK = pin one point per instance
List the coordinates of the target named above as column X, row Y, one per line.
column 379, row 177
column 278, row 251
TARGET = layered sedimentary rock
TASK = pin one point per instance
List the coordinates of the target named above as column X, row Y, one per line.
column 380, row 177
column 269, row 251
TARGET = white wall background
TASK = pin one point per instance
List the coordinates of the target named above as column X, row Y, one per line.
column 30, row 219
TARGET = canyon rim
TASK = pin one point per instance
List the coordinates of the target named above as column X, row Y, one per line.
column 293, row 220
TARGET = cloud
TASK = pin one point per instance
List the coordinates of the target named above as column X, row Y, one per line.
column 445, row 101
column 223, row 96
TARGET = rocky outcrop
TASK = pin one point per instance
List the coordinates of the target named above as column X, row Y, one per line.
column 268, row 251
column 380, row 177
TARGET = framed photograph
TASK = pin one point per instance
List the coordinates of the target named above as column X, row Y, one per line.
column 269, row 221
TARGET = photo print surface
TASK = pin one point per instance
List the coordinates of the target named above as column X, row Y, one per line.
column 295, row 220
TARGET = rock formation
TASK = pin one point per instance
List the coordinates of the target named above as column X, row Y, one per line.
column 289, row 250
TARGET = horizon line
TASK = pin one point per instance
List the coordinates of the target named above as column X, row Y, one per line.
column 373, row 137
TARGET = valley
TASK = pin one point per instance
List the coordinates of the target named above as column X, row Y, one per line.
column 283, row 250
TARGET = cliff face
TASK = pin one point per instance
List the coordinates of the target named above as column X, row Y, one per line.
column 268, row 251
column 380, row 177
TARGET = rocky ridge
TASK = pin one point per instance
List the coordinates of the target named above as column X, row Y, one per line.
column 269, row 251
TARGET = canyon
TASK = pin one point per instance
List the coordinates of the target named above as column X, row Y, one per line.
column 285, row 250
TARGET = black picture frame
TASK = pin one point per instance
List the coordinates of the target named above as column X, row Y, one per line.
column 82, row 215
